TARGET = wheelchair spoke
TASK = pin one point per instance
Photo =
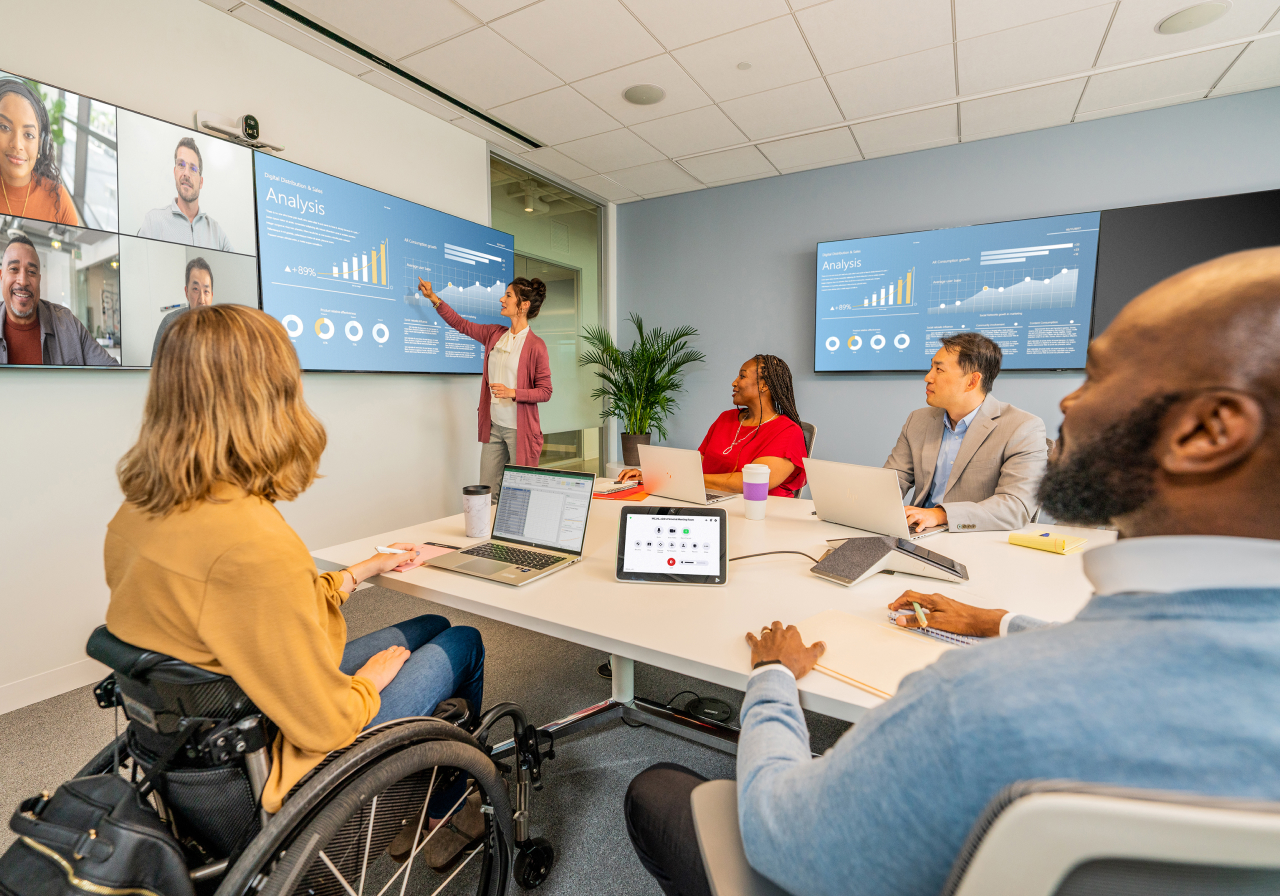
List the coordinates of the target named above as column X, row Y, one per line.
column 409, row 864
column 422, row 817
column 342, row 880
column 368, row 842
column 462, row 865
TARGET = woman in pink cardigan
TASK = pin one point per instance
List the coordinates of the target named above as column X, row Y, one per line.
column 517, row 375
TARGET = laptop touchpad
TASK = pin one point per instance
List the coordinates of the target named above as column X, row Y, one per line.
column 483, row 567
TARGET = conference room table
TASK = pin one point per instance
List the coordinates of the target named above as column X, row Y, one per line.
column 700, row 631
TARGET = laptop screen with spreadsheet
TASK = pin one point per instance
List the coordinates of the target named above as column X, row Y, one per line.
column 544, row 508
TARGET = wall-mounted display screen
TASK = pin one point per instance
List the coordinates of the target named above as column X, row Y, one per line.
column 340, row 265
column 884, row 302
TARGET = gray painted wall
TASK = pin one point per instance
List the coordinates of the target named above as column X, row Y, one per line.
column 737, row 262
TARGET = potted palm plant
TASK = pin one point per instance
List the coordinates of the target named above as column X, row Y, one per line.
column 638, row 385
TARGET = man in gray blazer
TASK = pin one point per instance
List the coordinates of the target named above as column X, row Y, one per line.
column 974, row 461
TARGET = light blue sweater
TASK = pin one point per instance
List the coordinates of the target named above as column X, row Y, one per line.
column 1173, row 691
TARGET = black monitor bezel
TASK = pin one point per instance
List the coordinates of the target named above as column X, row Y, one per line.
column 545, row 471
column 659, row 578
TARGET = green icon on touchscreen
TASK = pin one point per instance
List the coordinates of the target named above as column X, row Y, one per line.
column 686, row 531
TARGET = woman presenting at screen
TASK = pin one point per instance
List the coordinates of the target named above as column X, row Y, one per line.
column 763, row 428
column 517, row 376
column 30, row 185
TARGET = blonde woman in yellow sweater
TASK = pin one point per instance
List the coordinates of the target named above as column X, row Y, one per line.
column 203, row 567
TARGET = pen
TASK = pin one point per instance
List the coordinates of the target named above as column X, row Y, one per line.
column 381, row 550
column 919, row 613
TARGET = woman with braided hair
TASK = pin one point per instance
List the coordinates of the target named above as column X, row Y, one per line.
column 30, row 184
column 763, row 428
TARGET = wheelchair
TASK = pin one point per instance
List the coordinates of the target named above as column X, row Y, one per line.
column 212, row 746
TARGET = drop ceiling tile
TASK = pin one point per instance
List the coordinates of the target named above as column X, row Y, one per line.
column 925, row 77
column 745, row 161
column 828, row 163
column 742, row 180
column 558, row 163
column 975, row 17
column 812, row 149
column 603, row 186
column 1033, row 52
column 796, row 107
column 415, row 97
column 491, row 134
column 906, row 133
column 1026, row 110
column 392, row 28
column 678, row 23
column 556, row 116
column 488, row 10
column 606, row 90
column 1133, row 34
column 849, row 33
column 694, row 131
column 1140, row 107
column 775, row 51
column 611, row 151
column 578, row 38
column 655, row 178
column 1257, row 68
column 805, row 4
column 661, row 193
column 282, row 31
column 482, row 68
column 1157, row 80
column 224, row 5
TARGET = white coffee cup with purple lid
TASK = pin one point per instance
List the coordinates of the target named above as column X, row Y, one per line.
column 755, row 489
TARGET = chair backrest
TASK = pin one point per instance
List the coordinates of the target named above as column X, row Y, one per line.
column 810, row 433
column 715, row 819
column 1067, row 838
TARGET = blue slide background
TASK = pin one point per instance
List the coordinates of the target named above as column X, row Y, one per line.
column 311, row 224
column 1036, row 304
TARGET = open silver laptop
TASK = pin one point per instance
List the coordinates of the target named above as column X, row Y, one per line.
column 538, row 528
column 677, row 473
column 867, row 498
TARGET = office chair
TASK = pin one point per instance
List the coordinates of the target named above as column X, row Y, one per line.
column 810, row 433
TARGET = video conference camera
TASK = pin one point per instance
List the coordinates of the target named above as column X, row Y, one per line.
column 243, row 129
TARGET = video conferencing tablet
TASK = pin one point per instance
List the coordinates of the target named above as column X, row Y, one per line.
column 672, row 545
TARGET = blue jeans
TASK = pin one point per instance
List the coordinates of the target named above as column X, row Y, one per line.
column 446, row 661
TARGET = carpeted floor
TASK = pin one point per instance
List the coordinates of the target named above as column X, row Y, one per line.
column 580, row 808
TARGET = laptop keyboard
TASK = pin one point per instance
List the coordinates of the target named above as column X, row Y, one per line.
column 516, row 556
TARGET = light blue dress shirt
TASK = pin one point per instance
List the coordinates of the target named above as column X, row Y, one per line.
column 951, row 440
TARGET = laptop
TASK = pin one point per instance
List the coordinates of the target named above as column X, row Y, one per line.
column 677, row 473
column 538, row 528
column 867, row 498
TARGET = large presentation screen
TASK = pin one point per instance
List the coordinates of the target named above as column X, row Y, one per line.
column 340, row 265
column 884, row 302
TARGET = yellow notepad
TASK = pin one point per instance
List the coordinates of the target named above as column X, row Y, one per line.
column 871, row 656
column 1046, row 541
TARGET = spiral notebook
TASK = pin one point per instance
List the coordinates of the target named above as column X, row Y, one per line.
column 936, row 633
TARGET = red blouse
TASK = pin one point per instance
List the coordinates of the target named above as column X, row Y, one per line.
column 780, row 437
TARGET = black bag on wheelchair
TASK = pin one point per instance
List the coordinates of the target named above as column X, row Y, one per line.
column 94, row 835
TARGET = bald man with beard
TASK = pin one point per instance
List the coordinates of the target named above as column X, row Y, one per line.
column 1169, row 678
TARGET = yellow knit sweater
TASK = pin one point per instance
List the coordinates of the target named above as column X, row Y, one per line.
column 227, row 586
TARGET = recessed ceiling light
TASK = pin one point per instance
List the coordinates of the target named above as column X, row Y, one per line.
column 644, row 94
column 743, row 66
column 1193, row 17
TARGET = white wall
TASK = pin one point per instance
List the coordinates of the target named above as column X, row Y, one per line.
column 400, row 447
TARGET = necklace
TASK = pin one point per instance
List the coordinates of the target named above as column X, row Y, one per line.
column 738, row 431
column 31, row 183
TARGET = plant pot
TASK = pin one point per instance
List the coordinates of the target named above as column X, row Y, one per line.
column 631, row 443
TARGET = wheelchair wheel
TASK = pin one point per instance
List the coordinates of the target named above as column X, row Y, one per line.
column 341, row 847
column 533, row 862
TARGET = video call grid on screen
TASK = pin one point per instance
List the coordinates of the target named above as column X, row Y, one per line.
column 339, row 266
column 884, row 302
column 113, row 242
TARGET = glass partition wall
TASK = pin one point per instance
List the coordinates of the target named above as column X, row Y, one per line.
column 558, row 240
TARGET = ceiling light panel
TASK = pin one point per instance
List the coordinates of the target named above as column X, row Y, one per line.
column 1033, row 52
column 578, row 38
column 733, row 164
column 655, row 178
column 775, row 49
column 850, row 33
column 556, row 116
column 678, row 23
column 1133, row 34
column 1171, row 78
column 611, row 151
column 827, row 147
column 925, row 77
column 1026, row 110
column 689, row 132
column 1257, row 68
column 392, row 28
column 907, row 133
column 978, row 17
column 784, row 110
column 606, row 90
column 481, row 68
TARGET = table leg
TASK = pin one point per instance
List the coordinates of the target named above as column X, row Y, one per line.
column 624, row 678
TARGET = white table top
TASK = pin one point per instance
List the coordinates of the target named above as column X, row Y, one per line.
column 700, row 631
